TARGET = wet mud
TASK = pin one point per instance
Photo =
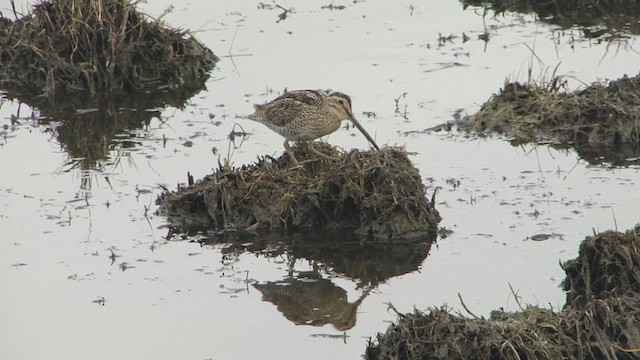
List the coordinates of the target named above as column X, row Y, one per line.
column 600, row 320
column 602, row 121
column 376, row 194
column 91, row 46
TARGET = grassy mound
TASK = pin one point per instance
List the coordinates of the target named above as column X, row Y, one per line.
column 66, row 46
column 374, row 193
column 601, row 319
column 602, row 121
column 601, row 113
column 608, row 265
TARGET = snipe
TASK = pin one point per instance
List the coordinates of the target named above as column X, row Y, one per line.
column 306, row 115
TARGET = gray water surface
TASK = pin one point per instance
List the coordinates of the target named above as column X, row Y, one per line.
column 86, row 271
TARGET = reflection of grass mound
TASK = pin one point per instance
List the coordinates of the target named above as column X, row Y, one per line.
column 598, row 116
column 97, row 45
column 601, row 319
column 377, row 193
column 615, row 15
column 370, row 263
column 88, row 126
column 341, row 254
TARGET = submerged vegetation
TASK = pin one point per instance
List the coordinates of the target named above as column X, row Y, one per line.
column 600, row 320
column 374, row 193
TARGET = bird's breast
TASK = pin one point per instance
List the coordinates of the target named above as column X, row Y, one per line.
column 307, row 128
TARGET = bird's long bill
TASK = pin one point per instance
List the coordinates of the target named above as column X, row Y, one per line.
column 363, row 131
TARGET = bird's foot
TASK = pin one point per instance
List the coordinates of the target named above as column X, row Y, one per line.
column 322, row 155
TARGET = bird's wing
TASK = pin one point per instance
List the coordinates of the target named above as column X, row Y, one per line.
column 283, row 111
column 286, row 107
column 308, row 97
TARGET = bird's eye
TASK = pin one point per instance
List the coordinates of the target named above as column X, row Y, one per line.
column 340, row 102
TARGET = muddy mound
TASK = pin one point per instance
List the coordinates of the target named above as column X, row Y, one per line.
column 374, row 193
column 601, row 113
column 601, row 116
column 601, row 319
column 66, row 46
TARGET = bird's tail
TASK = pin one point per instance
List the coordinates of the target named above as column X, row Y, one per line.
column 252, row 116
column 249, row 116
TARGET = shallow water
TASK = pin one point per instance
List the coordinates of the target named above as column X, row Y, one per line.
column 66, row 297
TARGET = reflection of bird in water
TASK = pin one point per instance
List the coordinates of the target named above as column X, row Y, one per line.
column 306, row 115
column 309, row 300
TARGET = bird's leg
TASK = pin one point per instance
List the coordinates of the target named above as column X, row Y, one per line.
column 313, row 150
column 290, row 152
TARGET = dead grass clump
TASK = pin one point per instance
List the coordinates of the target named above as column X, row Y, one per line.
column 601, row 319
column 375, row 193
column 89, row 128
column 66, row 46
column 608, row 265
column 606, row 114
column 439, row 334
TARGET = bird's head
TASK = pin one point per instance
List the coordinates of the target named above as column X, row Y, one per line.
column 340, row 104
